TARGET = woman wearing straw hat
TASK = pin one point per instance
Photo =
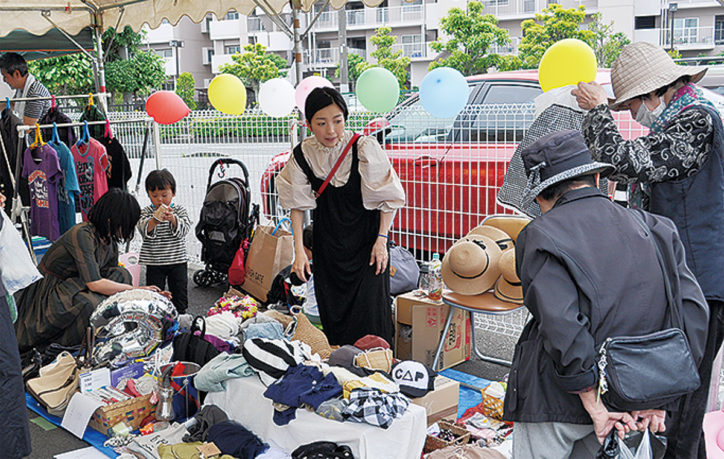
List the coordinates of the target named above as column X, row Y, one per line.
column 680, row 166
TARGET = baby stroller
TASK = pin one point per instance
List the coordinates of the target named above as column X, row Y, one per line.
column 224, row 222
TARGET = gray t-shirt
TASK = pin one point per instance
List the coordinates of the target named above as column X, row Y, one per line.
column 35, row 108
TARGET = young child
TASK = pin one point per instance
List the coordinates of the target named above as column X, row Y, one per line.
column 163, row 226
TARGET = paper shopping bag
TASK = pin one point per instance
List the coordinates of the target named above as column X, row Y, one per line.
column 270, row 252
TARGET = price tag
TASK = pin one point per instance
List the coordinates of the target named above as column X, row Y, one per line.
column 208, row 450
column 95, row 379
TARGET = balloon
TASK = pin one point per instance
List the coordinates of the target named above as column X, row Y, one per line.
column 227, row 94
column 568, row 61
column 276, row 97
column 444, row 92
column 166, row 107
column 378, row 90
column 306, row 86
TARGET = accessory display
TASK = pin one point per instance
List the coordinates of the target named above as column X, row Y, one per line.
column 319, row 192
column 648, row 371
column 470, row 266
column 508, row 286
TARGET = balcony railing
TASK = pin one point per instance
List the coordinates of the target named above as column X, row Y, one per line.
column 688, row 38
column 255, row 25
column 373, row 17
column 416, row 50
column 330, row 56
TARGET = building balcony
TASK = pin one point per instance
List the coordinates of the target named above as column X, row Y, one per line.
column 328, row 57
column 255, row 24
column 169, row 66
column 687, row 4
column 228, row 29
column 522, row 9
column 371, row 18
column 685, row 39
column 161, row 34
column 217, row 60
column 274, row 41
column 416, row 51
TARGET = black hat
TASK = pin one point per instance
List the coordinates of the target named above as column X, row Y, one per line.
column 556, row 157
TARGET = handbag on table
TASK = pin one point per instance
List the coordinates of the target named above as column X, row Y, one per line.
column 648, row 371
column 189, row 347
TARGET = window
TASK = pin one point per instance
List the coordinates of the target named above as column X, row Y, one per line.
column 645, row 22
column 232, row 49
column 529, row 6
column 511, row 94
column 231, row 15
column 209, row 54
column 495, row 2
column 719, row 30
column 165, row 53
column 411, row 45
column 686, row 30
column 252, row 40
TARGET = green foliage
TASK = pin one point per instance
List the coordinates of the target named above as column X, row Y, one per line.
column 185, row 88
column 254, row 67
column 127, row 39
column 352, row 61
column 473, row 33
column 67, row 74
column 674, row 53
column 554, row 24
column 140, row 74
column 606, row 44
column 391, row 60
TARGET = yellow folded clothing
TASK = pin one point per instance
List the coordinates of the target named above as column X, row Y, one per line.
column 373, row 381
column 186, row 451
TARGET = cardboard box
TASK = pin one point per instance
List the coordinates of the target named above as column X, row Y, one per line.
column 427, row 319
column 441, row 402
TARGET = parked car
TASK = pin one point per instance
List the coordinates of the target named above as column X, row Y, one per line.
column 451, row 169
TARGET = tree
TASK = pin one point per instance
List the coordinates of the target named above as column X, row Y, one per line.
column 67, row 74
column 142, row 73
column 185, row 88
column 553, row 24
column 607, row 45
column 393, row 61
column 473, row 34
column 254, row 67
column 352, row 61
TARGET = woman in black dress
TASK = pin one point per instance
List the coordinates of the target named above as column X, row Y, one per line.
column 352, row 218
column 79, row 271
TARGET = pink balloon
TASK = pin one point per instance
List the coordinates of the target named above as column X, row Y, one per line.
column 306, row 86
column 166, row 107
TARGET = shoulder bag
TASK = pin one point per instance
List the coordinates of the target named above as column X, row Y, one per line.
column 648, row 371
column 188, row 347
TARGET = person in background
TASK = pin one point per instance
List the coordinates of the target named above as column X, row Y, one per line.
column 588, row 273
column 80, row 270
column 164, row 226
column 680, row 163
column 15, row 435
column 15, row 73
column 351, row 216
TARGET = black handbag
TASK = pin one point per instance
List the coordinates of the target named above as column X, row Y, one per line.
column 188, row 347
column 648, row 371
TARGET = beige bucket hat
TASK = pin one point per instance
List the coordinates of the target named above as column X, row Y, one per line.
column 508, row 287
column 644, row 67
column 470, row 266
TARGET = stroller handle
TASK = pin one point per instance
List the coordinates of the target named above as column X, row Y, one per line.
column 222, row 161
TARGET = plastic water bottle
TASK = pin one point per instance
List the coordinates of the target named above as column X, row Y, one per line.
column 424, row 282
column 435, row 286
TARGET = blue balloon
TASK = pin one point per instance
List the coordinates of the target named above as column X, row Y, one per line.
column 444, row 92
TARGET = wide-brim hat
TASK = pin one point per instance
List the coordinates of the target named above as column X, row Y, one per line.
column 470, row 266
column 643, row 67
column 508, row 286
column 500, row 237
column 556, row 157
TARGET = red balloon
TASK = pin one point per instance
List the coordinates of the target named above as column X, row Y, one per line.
column 166, row 107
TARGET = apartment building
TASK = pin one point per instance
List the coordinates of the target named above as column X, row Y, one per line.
column 696, row 27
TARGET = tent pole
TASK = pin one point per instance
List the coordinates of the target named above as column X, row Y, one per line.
column 100, row 66
column 296, row 5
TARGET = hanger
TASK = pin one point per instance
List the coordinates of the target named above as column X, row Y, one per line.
column 54, row 138
column 85, row 135
column 90, row 99
column 52, row 101
column 38, row 138
column 107, row 132
column 7, row 103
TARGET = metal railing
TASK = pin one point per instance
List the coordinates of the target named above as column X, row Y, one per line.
column 373, row 17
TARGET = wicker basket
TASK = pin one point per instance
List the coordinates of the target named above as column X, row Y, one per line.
column 492, row 407
column 462, row 437
column 132, row 412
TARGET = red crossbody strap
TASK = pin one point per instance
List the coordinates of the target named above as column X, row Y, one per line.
column 336, row 165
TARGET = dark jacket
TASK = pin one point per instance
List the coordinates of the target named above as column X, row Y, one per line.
column 696, row 205
column 589, row 271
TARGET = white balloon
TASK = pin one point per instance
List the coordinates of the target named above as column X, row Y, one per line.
column 276, row 97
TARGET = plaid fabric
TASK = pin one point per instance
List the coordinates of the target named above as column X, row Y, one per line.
column 554, row 118
column 374, row 407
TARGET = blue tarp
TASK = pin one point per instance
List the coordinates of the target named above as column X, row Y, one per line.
column 468, row 397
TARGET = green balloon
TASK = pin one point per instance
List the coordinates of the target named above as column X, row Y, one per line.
column 378, row 90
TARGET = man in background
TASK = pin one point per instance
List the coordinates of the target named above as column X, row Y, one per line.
column 15, row 73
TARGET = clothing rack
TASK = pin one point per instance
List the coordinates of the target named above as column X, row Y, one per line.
column 78, row 96
column 17, row 208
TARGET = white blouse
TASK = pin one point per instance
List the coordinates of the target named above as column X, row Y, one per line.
column 381, row 187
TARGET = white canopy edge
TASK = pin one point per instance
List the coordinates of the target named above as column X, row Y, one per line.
column 74, row 15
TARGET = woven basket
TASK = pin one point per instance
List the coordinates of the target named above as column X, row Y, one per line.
column 306, row 332
column 132, row 412
column 462, row 437
column 492, row 406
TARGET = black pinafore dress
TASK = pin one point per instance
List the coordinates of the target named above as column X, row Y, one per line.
column 352, row 300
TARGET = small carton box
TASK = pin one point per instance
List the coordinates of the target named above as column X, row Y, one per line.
column 427, row 319
column 442, row 402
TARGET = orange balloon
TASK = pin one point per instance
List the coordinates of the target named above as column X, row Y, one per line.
column 166, row 107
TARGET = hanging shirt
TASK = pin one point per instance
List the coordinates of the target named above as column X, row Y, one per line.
column 91, row 162
column 42, row 169
column 68, row 189
column 119, row 171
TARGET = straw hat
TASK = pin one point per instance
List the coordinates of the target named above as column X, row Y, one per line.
column 470, row 266
column 500, row 237
column 511, row 224
column 644, row 67
column 508, row 287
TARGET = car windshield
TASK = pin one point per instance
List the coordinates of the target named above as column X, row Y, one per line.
column 412, row 123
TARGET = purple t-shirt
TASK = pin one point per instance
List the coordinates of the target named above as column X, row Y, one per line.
column 42, row 169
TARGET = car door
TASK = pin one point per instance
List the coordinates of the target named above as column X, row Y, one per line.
column 484, row 138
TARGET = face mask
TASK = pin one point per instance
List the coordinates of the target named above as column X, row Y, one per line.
column 647, row 117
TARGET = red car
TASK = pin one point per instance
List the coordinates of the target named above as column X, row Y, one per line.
column 451, row 169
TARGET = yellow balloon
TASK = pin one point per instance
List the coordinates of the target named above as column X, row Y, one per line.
column 227, row 94
column 568, row 61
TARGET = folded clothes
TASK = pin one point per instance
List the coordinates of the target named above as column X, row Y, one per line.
column 212, row 376
column 233, row 439
column 375, row 407
column 373, row 381
column 205, row 418
column 268, row 330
